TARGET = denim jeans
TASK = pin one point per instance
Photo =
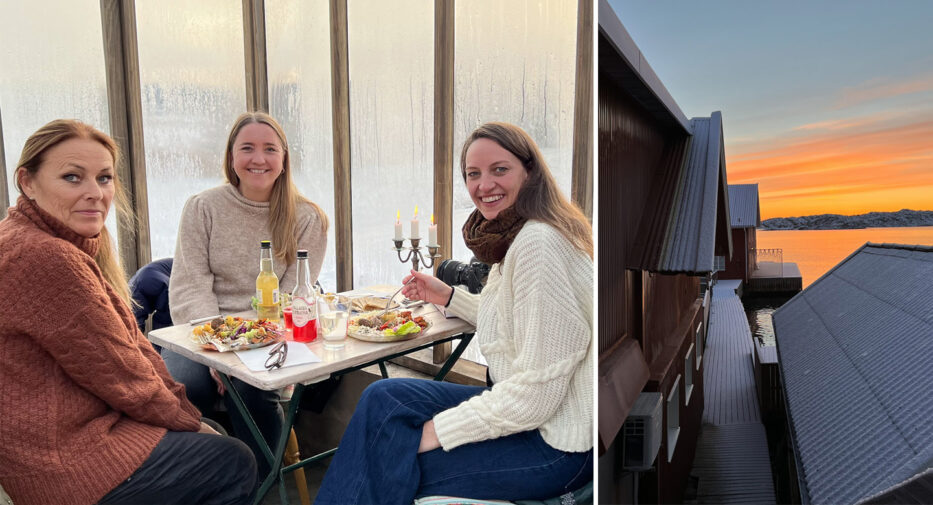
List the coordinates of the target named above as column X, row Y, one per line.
column 377, row 461
column 201, row 390
column 188, row 468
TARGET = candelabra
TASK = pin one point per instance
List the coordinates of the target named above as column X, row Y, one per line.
column 414, row 253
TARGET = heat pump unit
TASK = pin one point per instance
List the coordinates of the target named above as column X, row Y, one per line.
column 642, row 433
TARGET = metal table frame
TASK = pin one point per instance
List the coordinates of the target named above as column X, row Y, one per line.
column 275, row 458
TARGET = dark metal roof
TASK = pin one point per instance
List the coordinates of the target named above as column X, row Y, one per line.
column 915, row 490
column 621, row 60
column 700, row 203
column 744, row 209
column 855, row 350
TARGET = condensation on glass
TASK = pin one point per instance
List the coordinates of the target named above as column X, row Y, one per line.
column 191, row 67
column 514, row 62
column 44, row 77
column 391, row 61
column 298, row 61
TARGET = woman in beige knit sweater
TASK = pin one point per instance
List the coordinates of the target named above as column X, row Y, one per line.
column 89, row 412
column 529, row 436
column 217, row 258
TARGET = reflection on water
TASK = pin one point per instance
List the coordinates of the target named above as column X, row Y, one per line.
column 816, row 251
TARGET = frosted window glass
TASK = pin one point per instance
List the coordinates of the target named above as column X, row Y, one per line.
column 193, row 88
column 391, row 47
column 298, row 61
column 51, row 67
column 515, row 62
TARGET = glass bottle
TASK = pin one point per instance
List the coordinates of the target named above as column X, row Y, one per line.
column 304, row 303
column 267, row 285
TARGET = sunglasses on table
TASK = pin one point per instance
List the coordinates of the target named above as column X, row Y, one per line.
column 277, row 356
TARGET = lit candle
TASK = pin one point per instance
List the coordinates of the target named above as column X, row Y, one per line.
column 414, row 225
column 432, row 232
column 398, row 225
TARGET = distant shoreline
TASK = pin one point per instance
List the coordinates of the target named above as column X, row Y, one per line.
column 904, row 218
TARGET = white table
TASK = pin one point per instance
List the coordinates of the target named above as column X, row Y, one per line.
column 355, row 354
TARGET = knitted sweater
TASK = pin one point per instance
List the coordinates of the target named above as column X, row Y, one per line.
column 83, row 396
column 217, row 253
column 534, row 325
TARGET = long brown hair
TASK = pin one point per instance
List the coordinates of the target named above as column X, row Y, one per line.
column 56, row 132
column 539, row 197
column 283, row 203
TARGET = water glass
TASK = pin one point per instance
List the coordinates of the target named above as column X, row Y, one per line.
column 333, row 319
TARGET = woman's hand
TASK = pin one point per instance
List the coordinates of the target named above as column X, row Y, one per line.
column 429, row 440
column 206, row 429
column 427, row 288
column 220, row 385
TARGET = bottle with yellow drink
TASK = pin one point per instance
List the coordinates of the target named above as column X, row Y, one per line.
column 267, row 285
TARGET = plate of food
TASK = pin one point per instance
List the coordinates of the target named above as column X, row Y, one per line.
column 393, row 326
column 231, row 333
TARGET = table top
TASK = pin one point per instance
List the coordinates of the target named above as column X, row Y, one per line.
column 355, row 352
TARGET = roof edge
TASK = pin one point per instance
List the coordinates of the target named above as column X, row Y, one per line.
column 618, row 36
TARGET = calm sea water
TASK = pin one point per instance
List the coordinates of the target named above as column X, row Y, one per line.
column 815, row 252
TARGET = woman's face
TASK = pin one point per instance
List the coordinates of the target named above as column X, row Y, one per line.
column 74, row 183
column 493, row 176
column 258, row 160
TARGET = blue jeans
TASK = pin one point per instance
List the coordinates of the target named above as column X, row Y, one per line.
column 201, row 390
column 187, row 467
column 377, row 461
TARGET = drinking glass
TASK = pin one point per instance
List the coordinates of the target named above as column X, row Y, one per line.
column 333, row 318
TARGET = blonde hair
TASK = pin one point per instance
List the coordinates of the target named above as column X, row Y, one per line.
column 539, row 197
column 283, row 203
column 49, row 136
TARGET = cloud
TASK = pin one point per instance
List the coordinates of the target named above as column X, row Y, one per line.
column 845, row 166
column 879, row 89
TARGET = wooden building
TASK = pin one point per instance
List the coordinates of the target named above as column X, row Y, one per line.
column 664, row 216
column 745, row 217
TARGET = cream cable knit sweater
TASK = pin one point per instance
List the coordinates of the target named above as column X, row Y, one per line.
column 534, row 325
column 217, row 253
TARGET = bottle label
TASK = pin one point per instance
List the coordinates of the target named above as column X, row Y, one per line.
column 301, row 312
column 275, row 297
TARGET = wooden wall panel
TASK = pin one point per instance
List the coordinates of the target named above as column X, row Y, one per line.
column 340, row 94
column 582, row 179
column 118, row 23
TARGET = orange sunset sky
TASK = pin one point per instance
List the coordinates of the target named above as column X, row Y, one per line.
column 828, row 106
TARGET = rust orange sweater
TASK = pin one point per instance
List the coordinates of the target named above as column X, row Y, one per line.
column 83, row 396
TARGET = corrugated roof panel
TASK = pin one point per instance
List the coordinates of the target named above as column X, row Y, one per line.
column 743, row 206
column 855, row 349
column 691, row 233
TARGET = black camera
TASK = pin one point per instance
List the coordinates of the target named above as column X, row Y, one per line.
column 472, row 275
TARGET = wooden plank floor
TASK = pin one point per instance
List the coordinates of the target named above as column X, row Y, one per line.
column 731, row 463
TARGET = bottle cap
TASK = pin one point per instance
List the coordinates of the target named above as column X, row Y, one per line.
column 302, row 253
column 265, row 244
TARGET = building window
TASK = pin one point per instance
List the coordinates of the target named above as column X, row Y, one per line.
column 700, row 344
column 673, row 418
column 719, row 263
column 688, row 374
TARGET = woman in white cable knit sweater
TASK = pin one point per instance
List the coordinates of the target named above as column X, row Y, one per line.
column 529, row 436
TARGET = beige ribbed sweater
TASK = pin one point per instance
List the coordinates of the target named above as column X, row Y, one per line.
column 217, row 253
column 534, row 325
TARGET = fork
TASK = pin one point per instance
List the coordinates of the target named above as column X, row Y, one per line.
column 399, row 290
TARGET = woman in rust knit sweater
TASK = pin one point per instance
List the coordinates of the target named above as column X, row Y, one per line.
column 89, row 412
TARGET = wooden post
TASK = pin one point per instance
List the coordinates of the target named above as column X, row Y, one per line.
column 118, row 23
column 4, row 189
column 582, row 178
column 254, row 45
column 340, row 96
column 443, row 137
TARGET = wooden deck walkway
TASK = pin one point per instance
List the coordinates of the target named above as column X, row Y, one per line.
column 731, row 463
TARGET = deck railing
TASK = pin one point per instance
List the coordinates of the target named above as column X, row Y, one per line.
column 774, row 256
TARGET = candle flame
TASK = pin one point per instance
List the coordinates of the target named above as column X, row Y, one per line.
column 416, row 211
column 432, row 218
column 398, row 216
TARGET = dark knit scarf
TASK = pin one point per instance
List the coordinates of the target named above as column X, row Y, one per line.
column 489, row 239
